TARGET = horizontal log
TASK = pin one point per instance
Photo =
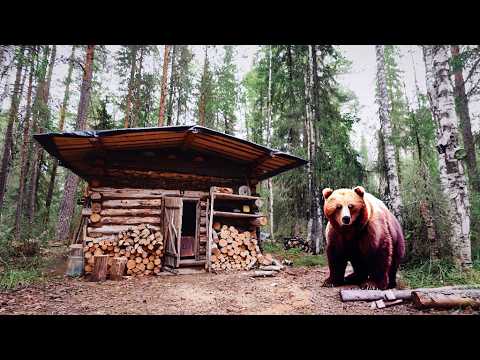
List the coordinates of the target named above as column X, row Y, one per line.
column 195, row 194
column 235, row 197
column 261, row 221
column 259, row 273
column 124, row 212
column 372, row 295
column 112, row 229
column 128, row 220
column 236, row 215
column 133, row 203
column 446, row 299
column 270, row 268
column 96, row 240
column 134, row 193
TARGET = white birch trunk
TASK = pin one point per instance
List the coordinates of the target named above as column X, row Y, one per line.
column 452, row 173
column 269, row 137
column 386, row 129
column 314, row 226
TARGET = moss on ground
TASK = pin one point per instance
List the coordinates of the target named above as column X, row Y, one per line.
column 297, row 256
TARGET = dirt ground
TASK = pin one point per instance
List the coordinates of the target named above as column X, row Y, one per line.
column 294, row 291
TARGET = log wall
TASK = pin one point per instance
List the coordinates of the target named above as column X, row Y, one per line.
column 112, row 210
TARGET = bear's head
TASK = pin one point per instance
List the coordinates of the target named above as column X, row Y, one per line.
column 345, row 207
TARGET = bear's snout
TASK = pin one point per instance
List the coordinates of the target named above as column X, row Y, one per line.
column 346, row 220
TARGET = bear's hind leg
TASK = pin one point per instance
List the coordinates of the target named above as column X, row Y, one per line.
column 392, row 276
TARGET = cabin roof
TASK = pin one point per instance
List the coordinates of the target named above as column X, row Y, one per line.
column 73, row 149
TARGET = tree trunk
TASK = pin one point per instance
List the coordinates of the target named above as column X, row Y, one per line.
column 453, row 180
column 317, row 212
column 43, row 116
column 27, row 124
column 61, row 124
column 136, row 112
column 7, row 145
column 133, row 59
column 314, row 225
column 269, row 137
column 163, row 95
column 386, row 129
column 68, row 201
column 465, row 124
column 172, row 87
column 202, row 103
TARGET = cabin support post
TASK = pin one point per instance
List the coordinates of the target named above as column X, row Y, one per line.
column 209, row 232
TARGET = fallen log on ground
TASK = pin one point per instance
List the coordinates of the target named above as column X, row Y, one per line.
column 392, row 294
column 270, row 268
column 259, row 273
column 446, row 299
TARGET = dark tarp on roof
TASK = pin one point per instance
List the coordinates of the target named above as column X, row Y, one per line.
column 78, row 150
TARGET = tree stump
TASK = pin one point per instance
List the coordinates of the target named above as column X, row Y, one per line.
column 118, row 268
column 99, row 268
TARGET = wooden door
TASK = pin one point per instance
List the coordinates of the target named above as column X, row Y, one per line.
column 172, row 229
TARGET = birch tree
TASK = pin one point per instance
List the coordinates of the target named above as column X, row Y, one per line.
column 312, row 112
column 452, row 174
column 68, row 201
column 269, row 137
column 394, row 198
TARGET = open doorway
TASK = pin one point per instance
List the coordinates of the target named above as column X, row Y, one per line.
column 189, row 229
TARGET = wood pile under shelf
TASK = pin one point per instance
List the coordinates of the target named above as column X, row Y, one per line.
column 236, row 250
column 142, row 247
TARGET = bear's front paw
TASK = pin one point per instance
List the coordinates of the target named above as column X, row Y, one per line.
column 328, row 283
column 369, row 285
column 331, row 283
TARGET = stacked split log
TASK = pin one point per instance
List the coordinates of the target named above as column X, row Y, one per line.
column 141, row 246
column 236, row 250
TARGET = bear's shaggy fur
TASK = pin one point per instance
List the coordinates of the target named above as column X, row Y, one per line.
column 363, row 231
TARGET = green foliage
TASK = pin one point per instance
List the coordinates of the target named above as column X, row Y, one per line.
column 439, row 273
column 100, row 117
column 14, row 278
column 19, row 272
column 337, row 164
column 299, row 258
column 226, row 95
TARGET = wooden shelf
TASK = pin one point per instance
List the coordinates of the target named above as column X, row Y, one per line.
column 236, row 215
column 234, row 197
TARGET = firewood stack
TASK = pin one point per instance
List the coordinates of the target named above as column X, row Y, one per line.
column 236, row 250
column 141, row 245
column 296, row 242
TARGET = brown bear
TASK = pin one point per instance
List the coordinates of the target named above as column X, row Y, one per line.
column 363, row 231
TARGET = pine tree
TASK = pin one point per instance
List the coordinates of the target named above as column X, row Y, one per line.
column 27, row 125
column 13, row 114
column 71, row 182
column 163, row 95
column 227, row 94
column 61, row 124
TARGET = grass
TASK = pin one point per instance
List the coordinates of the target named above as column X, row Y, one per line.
column 20, row 273
column 439, row 273
column 298, row 257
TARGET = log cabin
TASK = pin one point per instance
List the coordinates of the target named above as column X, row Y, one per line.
column 177, row 180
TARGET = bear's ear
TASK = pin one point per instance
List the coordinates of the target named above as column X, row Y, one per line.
column 359, row 190
column 326, row 193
